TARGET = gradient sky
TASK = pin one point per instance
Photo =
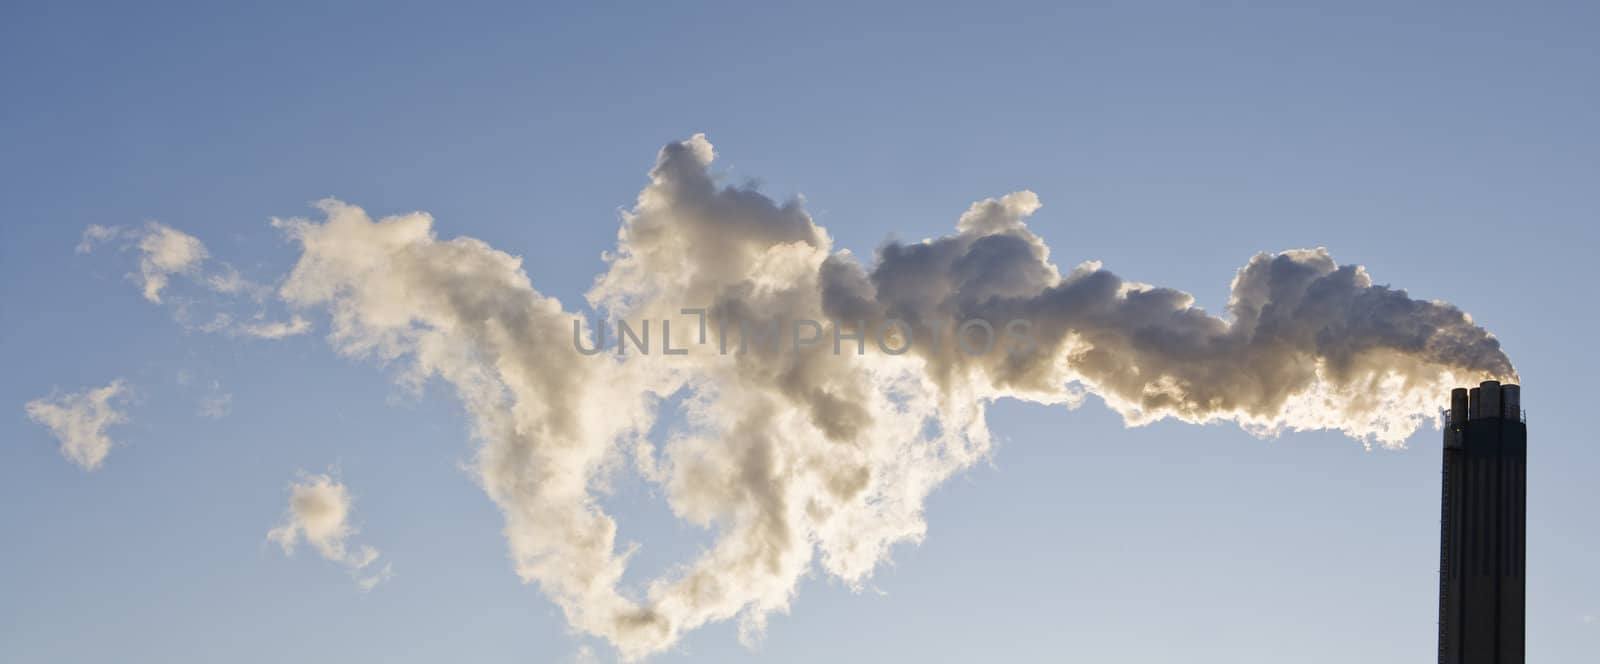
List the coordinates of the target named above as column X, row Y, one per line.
column 1451, row 150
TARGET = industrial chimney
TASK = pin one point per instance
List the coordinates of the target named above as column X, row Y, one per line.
column 1483, row 527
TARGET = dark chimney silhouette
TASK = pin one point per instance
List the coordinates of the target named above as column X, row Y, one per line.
column 1483, row 527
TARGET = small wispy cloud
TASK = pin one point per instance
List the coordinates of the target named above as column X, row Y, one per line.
column 79, row 421
column 166, row 252
column 319, row 515
column 216, row 404
column 96, row 234
column 163, row 252
column 275, row 329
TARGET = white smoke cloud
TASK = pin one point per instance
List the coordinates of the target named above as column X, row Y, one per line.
column 809, row 458
column 1309, row 344
column 319, row 515
column 79, row 420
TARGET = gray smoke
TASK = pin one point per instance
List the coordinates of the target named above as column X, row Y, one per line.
column 805, row 459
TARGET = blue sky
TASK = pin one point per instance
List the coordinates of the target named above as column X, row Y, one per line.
column 1451, row 150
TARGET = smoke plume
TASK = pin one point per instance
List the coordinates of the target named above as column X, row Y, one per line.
column 805, row 459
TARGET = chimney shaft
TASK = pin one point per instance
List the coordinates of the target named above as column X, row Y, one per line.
column 1483, row 528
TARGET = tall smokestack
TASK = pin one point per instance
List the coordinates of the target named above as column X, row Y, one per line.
column 1483, row 531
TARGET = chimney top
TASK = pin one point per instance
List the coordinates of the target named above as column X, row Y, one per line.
column 1488, row 399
